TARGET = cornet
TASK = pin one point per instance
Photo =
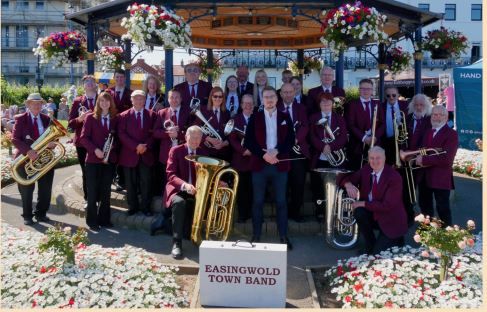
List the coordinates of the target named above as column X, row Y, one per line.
column 107, row 147
column 340, row 154
column 296, row 147
column 230, row 126
column 82, row 109
column 206, row 128
column 169, row 124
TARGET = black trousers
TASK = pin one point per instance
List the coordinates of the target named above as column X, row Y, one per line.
column 442, row 199
column 138, row 178
column 81, row 151
column 366, row 226
column 390, row 147
column 119, row 176
column 182, row 205
column 158, row 178
column 99, row 178
column 408, row 205
column 44, row 189
column 295, row 186
column 244, row 195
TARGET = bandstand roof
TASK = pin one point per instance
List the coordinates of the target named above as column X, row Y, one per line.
column 232, row 24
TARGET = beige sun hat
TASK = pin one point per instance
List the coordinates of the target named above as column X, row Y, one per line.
column 34, row 97
column 137, row 92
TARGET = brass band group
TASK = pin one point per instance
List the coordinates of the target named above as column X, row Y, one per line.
column 392, row 155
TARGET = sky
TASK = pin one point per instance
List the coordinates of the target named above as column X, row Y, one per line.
column 156, row 57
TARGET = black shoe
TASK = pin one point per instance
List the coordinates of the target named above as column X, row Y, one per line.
column 131, row 212
column 95, row 228
column 255, row 239
column 28, row 222
column 107, row 225
column 148, row 214
column 177, row 250
column 285, row 240
column 42, row 219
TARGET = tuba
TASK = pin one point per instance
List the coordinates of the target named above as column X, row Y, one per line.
column 207, row 129
column 47, row 158
column 335, row 158
column 214, row 205
column 341, row 226
column 230, row 127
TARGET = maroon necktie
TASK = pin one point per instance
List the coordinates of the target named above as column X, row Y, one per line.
column 174, row 117
column 90, row 104
column 367, row 111
column 118, row 96
column 429, row 139
column 105, row 123
column 151, row 102
column 374, row 186
column 138, row 120
column 193, row 93
column 35, row 129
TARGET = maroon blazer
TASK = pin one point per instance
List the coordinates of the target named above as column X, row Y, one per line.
column 317, row 134
column 130, row 137
column 239, row 162
column 415, row 138
column 73, row 122
column 161, row 133
column 302, row 127
column 439, row 169
column 313, row 98
column 23, row 132
column 255, row 140
column 204, row 89
column 93, row 136
column 177, row 171
column 159, row 104
column 358, row 122
column 125, row 103
column 387, row 206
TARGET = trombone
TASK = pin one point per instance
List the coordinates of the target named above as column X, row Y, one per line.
column 400, row 135
column 372, row 143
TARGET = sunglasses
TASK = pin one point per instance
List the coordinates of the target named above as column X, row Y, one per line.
column 193, row 70
column 391, row 95
column 217, row 96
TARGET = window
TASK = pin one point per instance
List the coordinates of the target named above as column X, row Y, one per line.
column 39, row 4
column 424, row 6
column 22, row 5
column 40, row 31
column 450, row 12
column 476, row 12
column 21, row 36
column 475, row 56
column 5, row 4
column 23, row 69
column 6, row 37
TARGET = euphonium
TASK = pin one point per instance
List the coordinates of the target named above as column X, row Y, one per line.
column 47, row 158
column 207, row 129
column 340, row 154
column 230, row 127
column 214, row 204
column 107, row 147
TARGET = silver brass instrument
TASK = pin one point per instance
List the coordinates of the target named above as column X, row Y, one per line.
column 335, row 158
column 296, row 147
column 207, row 129
column 82, row 109
column 169, row 124
column 230, row 127
column 341, row 226
column 214, row 205
column 47, row 158
column 107, row 147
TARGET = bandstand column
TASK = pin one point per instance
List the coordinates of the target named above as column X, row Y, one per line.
column 209, row 66
column 382, row 68
column 128, row 60
column 339, row 70
column 301, row 64
column 418, row 58
column 90, row 45
column 168, row 73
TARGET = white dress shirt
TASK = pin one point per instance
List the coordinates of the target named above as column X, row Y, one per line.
column 148, row 99
column 271, row 129
column 40, row 126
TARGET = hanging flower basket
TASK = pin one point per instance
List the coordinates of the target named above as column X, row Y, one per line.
column 349, row 23
column 398, row 60
column 110, row 58
column 310, row 64
column 61, row 47
column 444, row 43
column 216, row 71
column 156, row 25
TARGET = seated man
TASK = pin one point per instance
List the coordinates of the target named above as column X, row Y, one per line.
column 380, row 203
column 180, row 187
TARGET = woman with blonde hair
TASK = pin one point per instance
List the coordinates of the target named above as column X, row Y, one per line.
column 261, row 81
column 98, row 127
column 154, row 100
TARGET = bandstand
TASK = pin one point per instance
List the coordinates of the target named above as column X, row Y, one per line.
column 289, row 29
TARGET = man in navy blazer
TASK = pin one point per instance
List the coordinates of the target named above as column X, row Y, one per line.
column 270, row 137
column 193, row 87
column 327, row 75
column 379, row 206
column 438, row 171
column 27, row 128
column 244, row 85
column 135, row 127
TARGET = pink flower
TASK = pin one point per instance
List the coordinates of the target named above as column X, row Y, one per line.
column 470, row 242
column 427, row 221
column 348, row 299
column 417, row 238
column 425, row 253
column 462, row 245
column 419, row 218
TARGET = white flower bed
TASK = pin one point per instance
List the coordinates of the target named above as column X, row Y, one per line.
column 103, row 277
column 468, row 162
column 402, row 278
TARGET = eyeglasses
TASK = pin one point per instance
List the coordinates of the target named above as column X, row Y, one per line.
column 391, row 95
column 192, row 70
column 217, row 96
column 366, row 89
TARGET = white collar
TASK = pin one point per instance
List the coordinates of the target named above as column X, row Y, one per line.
column 270, row 114
column 377, row 174
column 364, row 100
column 32, row 115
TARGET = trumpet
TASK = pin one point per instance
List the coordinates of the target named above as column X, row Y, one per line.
column 230, row 127
column 296, row 147
column 107, row 147
column 82, row 110
column 169, row 124
column 340, row 154
column 206, row 128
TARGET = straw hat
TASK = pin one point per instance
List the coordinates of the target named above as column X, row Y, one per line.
column 138, row 92
column 34, row 97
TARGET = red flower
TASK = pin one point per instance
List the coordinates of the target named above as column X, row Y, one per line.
column 420, row 282
column 459, row 278
column 358, row 287
column 348, row 299
column 349, row 19
column 34, row 303
column 388, row 304
column 71, row 301
column 377, row 273
column 339, row 270
column 43, row 269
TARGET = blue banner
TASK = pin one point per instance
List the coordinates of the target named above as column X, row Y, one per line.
column 468, row 104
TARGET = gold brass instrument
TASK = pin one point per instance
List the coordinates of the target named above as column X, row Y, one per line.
column 214, row 204
column 207, row 129
column 400, row 135
column 372, row 143
column 335, row 158
column 169, row 124
column 230, row 127
column 107, row 147
column 47, row 158
column 341, row 226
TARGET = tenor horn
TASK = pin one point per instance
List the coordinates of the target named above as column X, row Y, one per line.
column 206, row 128
column 47, row 158
column 214, row 205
